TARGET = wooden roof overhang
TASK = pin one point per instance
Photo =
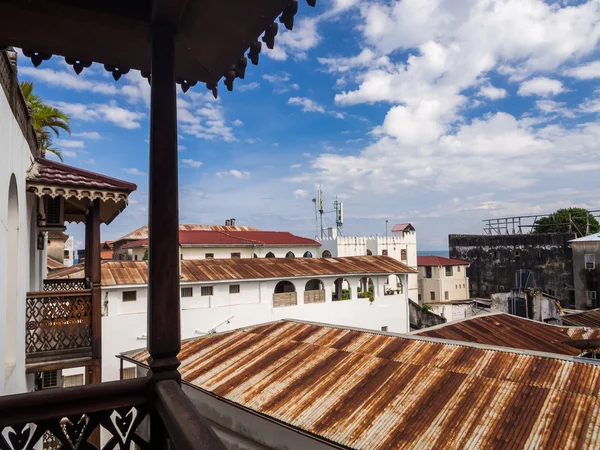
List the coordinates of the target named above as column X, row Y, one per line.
column 212, row 36
column 78, row 187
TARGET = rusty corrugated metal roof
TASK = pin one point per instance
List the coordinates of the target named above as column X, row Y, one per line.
column 506, row 330
column 582, row 319
column 377, row 391
column 136, row 272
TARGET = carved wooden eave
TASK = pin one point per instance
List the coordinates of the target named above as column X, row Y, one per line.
column 214, row 38
column 78, row 187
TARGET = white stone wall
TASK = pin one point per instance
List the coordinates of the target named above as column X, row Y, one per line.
column 198, row 252
column 68, row 261
column 395, row 243
column 125, row 323
column 22, row 266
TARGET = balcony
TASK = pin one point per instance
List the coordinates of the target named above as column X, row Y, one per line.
column 285, row 299
column 316, row 296
column 58, row 324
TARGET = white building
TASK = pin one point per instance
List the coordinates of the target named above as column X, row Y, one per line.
column 22, row 265
column 400, row 245
column 221, row 295
column 442, row 279
column 218, row 242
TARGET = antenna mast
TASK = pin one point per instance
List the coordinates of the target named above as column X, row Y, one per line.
column 339, row 215
column 321, row 208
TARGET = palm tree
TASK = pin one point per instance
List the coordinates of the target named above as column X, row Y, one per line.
column 45, row 119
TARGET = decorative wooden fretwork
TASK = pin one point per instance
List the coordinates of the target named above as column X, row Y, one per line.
column 58, row 321
column 66, row 284
column 74, row 432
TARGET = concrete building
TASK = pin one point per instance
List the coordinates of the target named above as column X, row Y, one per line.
column 442, row 279
column 495, row 259
column 304, row 386
column 223, row 294
column 586, row 271
column 60, row 248
column 229, row 243
column 400, row 245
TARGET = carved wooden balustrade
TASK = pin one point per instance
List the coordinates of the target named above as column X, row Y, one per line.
column 66, row 284
column 70, row 418
column 58, row 325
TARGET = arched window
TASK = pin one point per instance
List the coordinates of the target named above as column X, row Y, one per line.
column 394, row 285
column 290, row 255
column 314, row 285
column 255, row 256
column 326, row 254
column 270, row 255
column 369, row 253
column 366, row 288
column 12, row 277
column 307, row 254
column 341, row 290
column 284, row 287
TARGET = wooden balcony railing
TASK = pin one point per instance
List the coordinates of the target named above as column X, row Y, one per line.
column 285, row 299
column 71, row 418
column 317, row 296
column 66, row 284
column 58, row 325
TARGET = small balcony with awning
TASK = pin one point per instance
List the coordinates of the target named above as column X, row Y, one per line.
column 62, row 321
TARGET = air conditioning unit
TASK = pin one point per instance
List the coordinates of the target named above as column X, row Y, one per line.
column 52, row 214
column 51, row 379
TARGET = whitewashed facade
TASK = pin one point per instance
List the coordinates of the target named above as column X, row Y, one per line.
column 400, row 245
column 124, row 322
column 22, row 265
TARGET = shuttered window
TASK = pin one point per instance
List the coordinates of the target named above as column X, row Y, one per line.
column 129, row 296
column 234, row 288
column 187, row 292
column 206, row 290
column 129, row 373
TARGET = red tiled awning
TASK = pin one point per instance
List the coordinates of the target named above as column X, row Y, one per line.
column 78, row 187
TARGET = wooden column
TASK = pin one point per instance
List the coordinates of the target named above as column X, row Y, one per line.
column 164, row 336
column 95, row 278
column 88, row 246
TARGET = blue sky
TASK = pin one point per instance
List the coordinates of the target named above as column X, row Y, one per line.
column 436, row 112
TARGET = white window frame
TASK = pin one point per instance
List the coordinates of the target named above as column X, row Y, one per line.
column 590, row 261
column 591, row 298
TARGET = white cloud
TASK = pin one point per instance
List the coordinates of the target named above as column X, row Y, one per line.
column 67, row 80
column 134, row 171
column 296, row 43
column 191, row 162
column 307, row 104
column 295, row 166
column 247, row 86
column 541, row 86
column 234, row 173
column 238, row 123
column 553, row 107
column 63, row 143
column 275, row 78
column 585, row 72
column 93, row 135
column 107, row 112
column 492, row 92
column 300, row 193
column 203, row 117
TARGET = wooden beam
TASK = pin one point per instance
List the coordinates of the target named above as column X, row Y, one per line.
column 187, row 429
column 95, row 277
column 164, row 335
column 88, row 247
column 168, row 11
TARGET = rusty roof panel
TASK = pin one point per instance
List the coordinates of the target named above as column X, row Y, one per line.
column 142, row 232
column 583, row 319
column 116, row 273
column 379, row 391
column 506, row 330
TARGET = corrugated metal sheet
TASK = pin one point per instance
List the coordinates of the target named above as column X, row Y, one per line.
column 136, row 272
column 583, row 319
column 371, row 391
column 505, row 330
column 235, row 238
column 142, row 232
column 440, row 261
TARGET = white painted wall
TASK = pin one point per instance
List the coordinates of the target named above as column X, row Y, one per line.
column 21, row 265
column 199, row 252
column 457, row 284
column 395, row 243
column 68, row 261
column 125, row 322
